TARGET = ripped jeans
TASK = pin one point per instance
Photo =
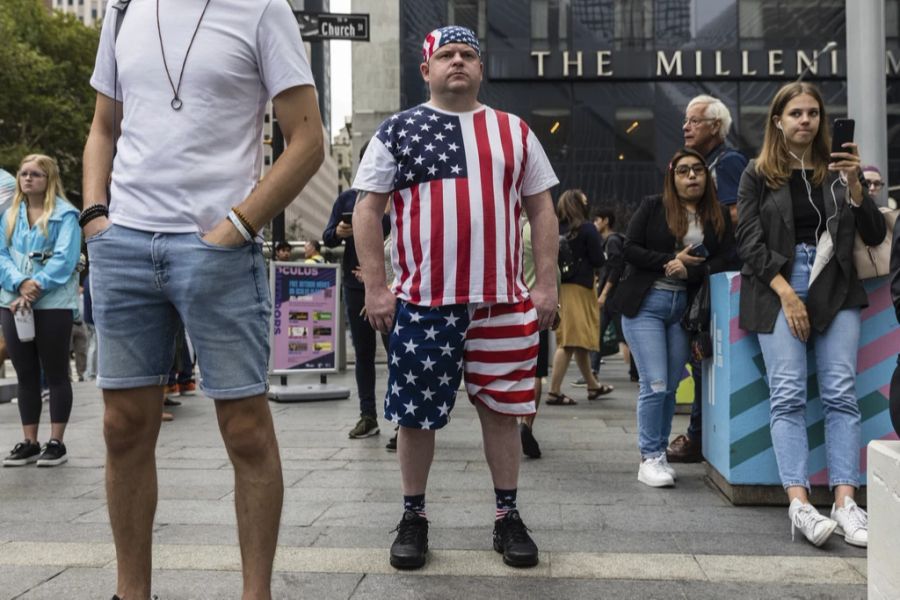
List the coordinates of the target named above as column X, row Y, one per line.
column 659, row 345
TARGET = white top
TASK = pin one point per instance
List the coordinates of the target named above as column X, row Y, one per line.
column 457, row 182
column 181, row 171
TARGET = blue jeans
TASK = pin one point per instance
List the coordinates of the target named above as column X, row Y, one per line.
column 660, row 348
column 141, row 282
column 786, row 371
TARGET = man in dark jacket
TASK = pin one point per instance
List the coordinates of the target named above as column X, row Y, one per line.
column 707, row 122
column 339, row 230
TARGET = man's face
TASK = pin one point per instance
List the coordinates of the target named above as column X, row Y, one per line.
column 600, row 223
column 454, row 69
column 309, row 250
column 700, row 132
column 283, row 254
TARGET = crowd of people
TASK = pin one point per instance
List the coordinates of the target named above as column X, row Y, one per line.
column 436, row 262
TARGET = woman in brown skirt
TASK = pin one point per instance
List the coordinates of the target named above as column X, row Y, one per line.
column 579, row 330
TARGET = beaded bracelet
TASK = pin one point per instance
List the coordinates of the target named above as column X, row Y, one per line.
column 94, row 211
column 245, row 221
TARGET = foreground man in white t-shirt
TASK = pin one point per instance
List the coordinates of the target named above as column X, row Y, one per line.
column 180, row 239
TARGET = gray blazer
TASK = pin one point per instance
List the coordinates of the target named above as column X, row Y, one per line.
column 766, row 240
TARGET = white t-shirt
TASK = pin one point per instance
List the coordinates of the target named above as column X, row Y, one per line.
column 181, row 171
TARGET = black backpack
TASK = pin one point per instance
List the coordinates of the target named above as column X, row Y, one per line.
column 567, row 261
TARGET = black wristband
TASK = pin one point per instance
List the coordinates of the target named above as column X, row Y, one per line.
column 92, row 212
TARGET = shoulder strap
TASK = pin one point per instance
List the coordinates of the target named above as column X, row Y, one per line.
column 121, row 6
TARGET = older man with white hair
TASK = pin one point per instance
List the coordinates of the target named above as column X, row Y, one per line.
column 707, row 122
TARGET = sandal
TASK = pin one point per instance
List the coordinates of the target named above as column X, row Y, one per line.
column 559, row 400
column 594, row 393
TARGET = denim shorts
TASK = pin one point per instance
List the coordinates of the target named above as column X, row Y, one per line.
column 142, row 282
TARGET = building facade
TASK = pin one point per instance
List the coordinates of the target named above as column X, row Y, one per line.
column 88, row 12
column 604, row 83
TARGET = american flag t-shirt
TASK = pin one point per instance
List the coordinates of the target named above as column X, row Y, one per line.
column 456, row 182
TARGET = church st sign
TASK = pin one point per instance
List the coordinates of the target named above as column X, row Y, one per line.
column 673, row 64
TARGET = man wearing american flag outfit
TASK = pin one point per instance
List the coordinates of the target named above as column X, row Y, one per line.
column 457, row 175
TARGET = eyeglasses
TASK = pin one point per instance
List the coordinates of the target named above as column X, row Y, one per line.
column 32, row 174
column 694, row 121
column 876, row 184
column 697, row 169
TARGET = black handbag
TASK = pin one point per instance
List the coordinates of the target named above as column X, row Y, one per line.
column 696, row 321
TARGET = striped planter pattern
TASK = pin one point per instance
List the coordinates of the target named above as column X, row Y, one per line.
column 736, row 440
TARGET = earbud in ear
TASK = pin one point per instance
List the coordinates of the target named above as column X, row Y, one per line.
column 778, row 125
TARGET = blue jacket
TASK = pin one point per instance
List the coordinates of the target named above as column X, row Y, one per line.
column 55, row 273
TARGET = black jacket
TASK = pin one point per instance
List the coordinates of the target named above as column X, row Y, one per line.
column 345, row 202
column 649, row 245
column 766, row 241
column 895, row 270
column 588, row 251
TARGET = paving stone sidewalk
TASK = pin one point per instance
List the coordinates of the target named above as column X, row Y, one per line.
column 602, row 533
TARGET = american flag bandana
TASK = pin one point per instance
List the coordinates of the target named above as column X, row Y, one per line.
column 451, row 34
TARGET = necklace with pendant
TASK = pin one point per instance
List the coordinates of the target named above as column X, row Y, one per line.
column 176, row 102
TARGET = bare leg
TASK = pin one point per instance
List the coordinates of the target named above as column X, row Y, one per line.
column 583, row 361
column 249, row 435
column 31, row 432
column 130, row 428
column 841, row 493
column 561, row 359
column 415, row 451
column 538, row 389
column 502, row 447
column 799, row 492
column 57, row 430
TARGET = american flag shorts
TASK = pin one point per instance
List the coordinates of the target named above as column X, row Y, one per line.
column 494, row 346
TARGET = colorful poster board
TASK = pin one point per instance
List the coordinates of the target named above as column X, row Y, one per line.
column 306, row 314
column 736, row 436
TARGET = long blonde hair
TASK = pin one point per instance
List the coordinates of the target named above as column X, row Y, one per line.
column 572, row 209
column 774, row 160
column 54, row 189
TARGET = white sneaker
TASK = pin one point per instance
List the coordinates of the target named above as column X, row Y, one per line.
column 852, row 523
column 669, row 469
column 654, row 474
column 816, row 527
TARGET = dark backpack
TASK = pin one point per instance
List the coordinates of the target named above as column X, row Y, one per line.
column 567, row 261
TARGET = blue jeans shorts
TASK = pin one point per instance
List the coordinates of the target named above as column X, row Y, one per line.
column 142, row 282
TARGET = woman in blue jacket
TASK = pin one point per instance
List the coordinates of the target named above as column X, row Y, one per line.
column 41, row 243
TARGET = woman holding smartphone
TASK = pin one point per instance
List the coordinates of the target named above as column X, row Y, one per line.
column 673, row 242
column 800, row 205
column 38, row 255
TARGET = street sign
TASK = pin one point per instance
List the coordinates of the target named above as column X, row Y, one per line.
column 316, row 27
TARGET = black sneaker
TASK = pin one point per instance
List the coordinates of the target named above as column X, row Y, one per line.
column 54, row 454
column 512, row 540
column 392, row 444
column 530, row 446
column 411, row 544
column 22, row 454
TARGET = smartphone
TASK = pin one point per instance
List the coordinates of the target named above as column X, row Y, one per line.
column 841, row 133
column 699, row 250
column 347, row 218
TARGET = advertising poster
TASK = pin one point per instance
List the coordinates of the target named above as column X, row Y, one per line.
column 306, row 310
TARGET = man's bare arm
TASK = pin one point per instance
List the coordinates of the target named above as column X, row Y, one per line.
column 298, row 116
column 380, row 302
column 98, row 157
column 545, row 246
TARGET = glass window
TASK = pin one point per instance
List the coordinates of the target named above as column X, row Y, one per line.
column 468, row 13
column 550, row 24
column 770, row 23
column 634, row 24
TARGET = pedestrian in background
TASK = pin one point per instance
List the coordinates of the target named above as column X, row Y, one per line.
column 339, row 230
column 707, row 122
column 578, row 333
column 673, row 243
column 798, row 216
column 283, row 251
column 41, row 243
column 312, row 252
